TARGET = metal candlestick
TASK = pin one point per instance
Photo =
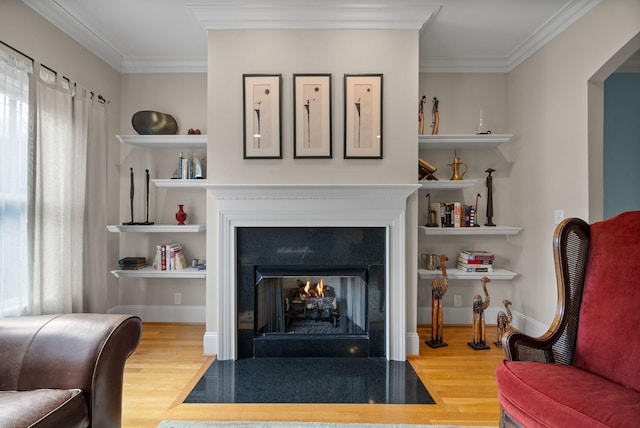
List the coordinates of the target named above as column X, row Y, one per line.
column 489, row 197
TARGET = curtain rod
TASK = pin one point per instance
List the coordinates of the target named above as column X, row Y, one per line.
column 100, row 97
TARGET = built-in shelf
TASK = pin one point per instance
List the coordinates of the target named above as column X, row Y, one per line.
column 150, row 272
column 463, row 141
column 455, row 273
column 165, row 141
column 482, row 230
column 447, row 184
column 184, row 184
column 156, row 228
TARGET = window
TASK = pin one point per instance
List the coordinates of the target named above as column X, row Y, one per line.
column 14, row 172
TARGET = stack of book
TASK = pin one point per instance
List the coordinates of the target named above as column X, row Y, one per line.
column 132, row 263
column 476, row 261
column 170, row 257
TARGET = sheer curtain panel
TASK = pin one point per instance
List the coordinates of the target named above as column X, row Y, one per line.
column 60, row 176
column 14, row 167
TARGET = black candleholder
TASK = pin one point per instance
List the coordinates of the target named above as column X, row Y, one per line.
column 489, row 197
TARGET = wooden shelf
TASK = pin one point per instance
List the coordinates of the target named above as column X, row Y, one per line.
column 462, row 141
column 184, row 184
column 482, row 230
column 165, row 141
column 157, row 228
column 150, row 272
column 447, row 184
column 455, row 273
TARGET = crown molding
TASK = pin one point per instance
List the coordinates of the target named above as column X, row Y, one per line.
column 77, row 30
column 328, row 14
column 165, row 65
column 555, row 25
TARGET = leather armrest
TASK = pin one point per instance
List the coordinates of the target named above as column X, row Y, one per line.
column 85, row 351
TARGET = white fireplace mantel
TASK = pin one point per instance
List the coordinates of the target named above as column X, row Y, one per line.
column 310, row 205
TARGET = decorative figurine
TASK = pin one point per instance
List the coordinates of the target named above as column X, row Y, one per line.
column 437, row 318
column 503, row 322
column 475, row 218
column 431, row 216
column 147, row 222
column 421, row 115
column 131, row 193
column 489, row 197
column 435, row 122
column 479, row 333
column 456, row 168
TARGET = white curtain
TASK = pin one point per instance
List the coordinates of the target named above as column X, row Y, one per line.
column 60, row 172
column 14, row 161
column 96, row 264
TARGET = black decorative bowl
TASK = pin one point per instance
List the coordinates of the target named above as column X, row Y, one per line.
column 147, row 122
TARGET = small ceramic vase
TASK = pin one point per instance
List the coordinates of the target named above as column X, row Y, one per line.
column 181, row 216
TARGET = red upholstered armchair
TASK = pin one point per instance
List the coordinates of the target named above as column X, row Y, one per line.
column 585, row 370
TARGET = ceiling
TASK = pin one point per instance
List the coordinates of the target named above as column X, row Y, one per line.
column 170, row 35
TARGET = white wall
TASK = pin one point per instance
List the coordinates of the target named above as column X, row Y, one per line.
column 233, row 53
column 548, row 111
column 25, row 30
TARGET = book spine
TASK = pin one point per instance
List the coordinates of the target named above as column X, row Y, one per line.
column 163, row 257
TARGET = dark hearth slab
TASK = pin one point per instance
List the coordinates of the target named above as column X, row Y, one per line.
column 310, row 380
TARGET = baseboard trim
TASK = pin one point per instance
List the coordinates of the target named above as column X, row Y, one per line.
column 177, row 313
column 465, row 316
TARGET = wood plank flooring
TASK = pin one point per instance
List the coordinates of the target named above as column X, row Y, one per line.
column 169, row 362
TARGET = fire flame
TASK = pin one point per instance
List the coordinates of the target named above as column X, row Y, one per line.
column 320, row 289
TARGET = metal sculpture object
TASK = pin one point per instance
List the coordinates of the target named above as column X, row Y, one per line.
column 504, row 319
column 479, row 306
column 489, row 197
column 431, row 216
column 147, row 122
column 455, row 166
column 437, row 318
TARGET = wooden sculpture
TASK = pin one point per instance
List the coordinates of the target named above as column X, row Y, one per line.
column 421, row 115
column 479, row 333
column 435, row 120
column 504, row 319
column 437, row 319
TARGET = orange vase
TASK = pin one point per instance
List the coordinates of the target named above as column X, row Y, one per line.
column 181, row 216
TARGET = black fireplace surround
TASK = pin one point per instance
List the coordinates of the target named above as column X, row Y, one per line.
column 280, row 311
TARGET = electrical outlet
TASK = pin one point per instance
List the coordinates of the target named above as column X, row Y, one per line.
column 177, row 298
column 558, row 216
column 457, row 300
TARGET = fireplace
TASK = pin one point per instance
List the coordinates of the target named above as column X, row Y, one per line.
column 311, row 291
column 236, row 207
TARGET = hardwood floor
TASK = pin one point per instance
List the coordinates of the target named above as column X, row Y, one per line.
column 169, row 362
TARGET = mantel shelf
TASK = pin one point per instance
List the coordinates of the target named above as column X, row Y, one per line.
column 184, row 184
column 150, row 272
column 157, row 228
column 482, row 230
column 447, row 184
column 463, row 141
column 455, row 273
column 165, row 141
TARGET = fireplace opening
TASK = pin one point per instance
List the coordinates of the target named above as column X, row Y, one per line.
column 327, row 301
column 311, row 300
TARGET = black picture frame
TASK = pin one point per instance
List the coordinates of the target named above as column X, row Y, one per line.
column 312, row 116
column 363, row 116
column 262, row 116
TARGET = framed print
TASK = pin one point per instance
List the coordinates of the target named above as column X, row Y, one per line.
column 312, row 116
column 262, row 116
column 363, row 116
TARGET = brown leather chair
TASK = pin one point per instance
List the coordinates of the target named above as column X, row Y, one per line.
column 64, row 370
column 583, row 372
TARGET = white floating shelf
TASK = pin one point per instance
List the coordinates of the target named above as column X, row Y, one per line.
column 482, row 230
column 157, row 228
column 455, row 273
column 184, row 184
column 165, row 141
column 150, row 272
column 463, row 141
column 447, row 184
